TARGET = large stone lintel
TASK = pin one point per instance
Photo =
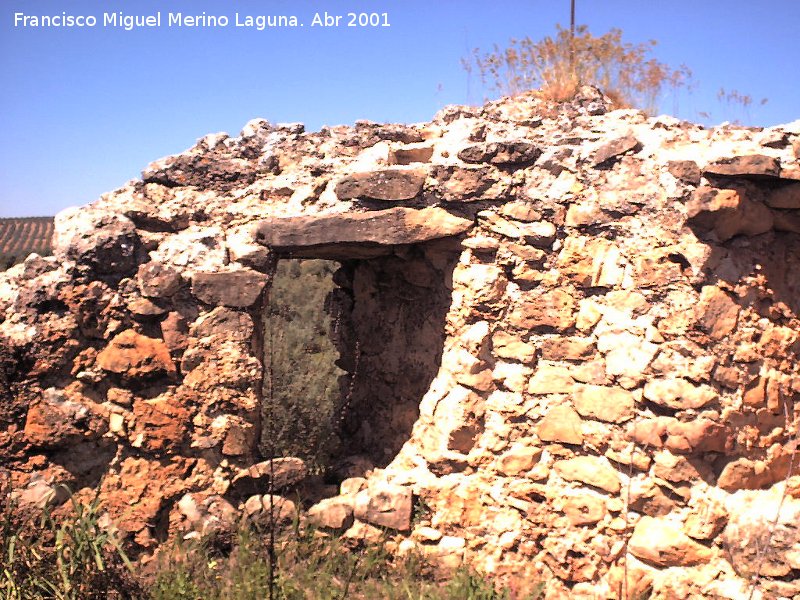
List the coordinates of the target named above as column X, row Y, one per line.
column 358, row 235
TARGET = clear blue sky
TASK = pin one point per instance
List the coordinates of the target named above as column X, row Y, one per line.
column 84, row 110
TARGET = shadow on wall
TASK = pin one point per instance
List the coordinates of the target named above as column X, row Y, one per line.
column 748, row 310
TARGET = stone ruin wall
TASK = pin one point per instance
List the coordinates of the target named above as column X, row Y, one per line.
column 572, row 334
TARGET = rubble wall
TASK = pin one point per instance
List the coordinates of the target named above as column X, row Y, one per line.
column 617, row 312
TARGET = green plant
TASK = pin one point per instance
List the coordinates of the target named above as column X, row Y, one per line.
column 68, row 556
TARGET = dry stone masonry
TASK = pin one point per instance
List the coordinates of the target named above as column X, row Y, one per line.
column 570, row 333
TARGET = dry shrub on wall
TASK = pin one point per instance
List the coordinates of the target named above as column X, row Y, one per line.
column 559, row 65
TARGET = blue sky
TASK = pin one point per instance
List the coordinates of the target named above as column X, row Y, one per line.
column 84, row 110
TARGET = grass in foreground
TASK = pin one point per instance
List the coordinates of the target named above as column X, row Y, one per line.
column 72, row 556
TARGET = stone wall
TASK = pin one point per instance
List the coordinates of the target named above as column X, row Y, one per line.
column 591, row 316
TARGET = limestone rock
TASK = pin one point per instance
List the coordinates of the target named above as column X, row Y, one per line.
column 332, row 513
column 551, row 379
column 268, row 509
column 716, row 312
column 387, row 184
column 385, row 505
column 661, row 542
column 283, row 472
column 592, row 470
column 613, row 405
column 727, row 213
column 751, row 518
column 678, row 393
column 236, row 289
column 107, row 243
column 584, row 509
column 750, row 166
column 614, row 148
column 554, row 309
column 381, row 228
column 505, row 153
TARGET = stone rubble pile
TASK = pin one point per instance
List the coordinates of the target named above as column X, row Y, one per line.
column 571, row 335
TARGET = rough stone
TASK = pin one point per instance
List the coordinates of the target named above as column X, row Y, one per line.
column 592, row 470
column 388, row 227
column 135, row 356
column 387, row 184
column 385, row 505
column 613, row 405
column 554, row 309
column 750, row 166
column 661, row 542
column 614, row 148
column 506, row 153
column 332, row 513
column 716, row 312
column 236, row 289
column 678, row 393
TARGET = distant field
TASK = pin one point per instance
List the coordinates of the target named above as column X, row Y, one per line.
column 19, row 236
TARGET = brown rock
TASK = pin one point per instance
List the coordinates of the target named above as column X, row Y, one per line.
column 387, row 184
column 610, row 404
column 706, row 520
column 458, row 184
column 406, row 155
column 157, row 280
column 661, row 542
column 56, row 421
column 284, row 472
column 754, row 524
column 716, row 312
column 561, row 424
column 135, row 356
column 672, row 468
column 506, row 345
column 786, row 220
column 615, row 148
column 678, row 394
column 142, row 307
column 385, row 505
column 160, row 425
column 585, row 509
column 506, row 153
column 746, row 474
column 236, row 289
column 753, row 166
column 649, row 499
column 174, row 330
column 784, row 196
column 685, row 170
column 592, row 470
column 696, row 436
column 551, row 379
column 332, row 513
column 727, row 213
column 567, row 348
column 554, row 309
column 360, row 231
